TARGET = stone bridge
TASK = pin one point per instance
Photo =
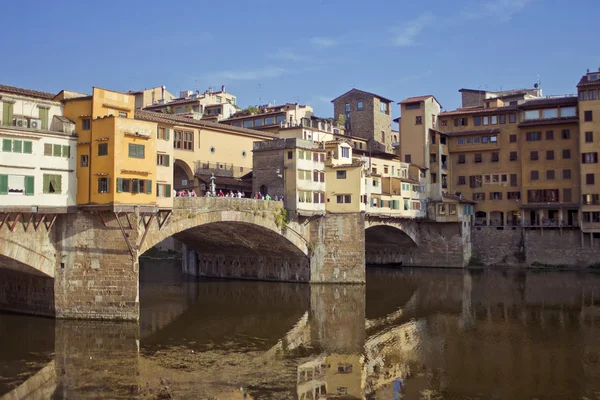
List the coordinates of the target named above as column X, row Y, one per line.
column 85, row 264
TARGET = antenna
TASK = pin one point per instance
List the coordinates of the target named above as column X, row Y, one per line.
column 260, row 93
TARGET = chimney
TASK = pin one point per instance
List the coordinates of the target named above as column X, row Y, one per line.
column 163, row 88
column 223, row 88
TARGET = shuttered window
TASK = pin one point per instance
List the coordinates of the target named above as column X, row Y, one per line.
column 17, row 146
column 3, row 184
column 29, row 185
column 47, row 149
column 27, row 147
column 66, row 151
column 136, row 150
column 7, row 113
column 52, row 184
column 57, row 150
column 44, row 118
column 7, row 145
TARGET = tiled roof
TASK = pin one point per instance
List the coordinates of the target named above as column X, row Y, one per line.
column 549, row 121
column 417, row 98
column 26, row 92
column 177, row 120
column 474, row 132
column 584, row 81
column 364, row 92
column 556, row 101
column 352, row 165
column 63, row 119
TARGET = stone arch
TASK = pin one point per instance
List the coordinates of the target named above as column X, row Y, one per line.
column 389, row 242
column 182, row 171
column 15, row 256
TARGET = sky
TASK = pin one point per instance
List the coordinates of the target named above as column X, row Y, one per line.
column 309, row 51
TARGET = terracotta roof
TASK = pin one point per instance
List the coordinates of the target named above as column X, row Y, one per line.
column 584, row 81
column 474, row 132
column 63, row 119
column 556, row 101
column 177, row 120
column 549, row 121
column 26, row 92
column 364, row 92
column 352, row 165
column 418, row 98
column 409, row 180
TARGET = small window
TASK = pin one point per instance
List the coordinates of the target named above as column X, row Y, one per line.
column 477, row 121
column 589, row 179
column 502, row 119
column 494, row 120
column 566, row 174
column 533, row 156
column 418, row 120
column 549, row 135
column 512, row 138
column 566, row 154
column 462, row 180
column 407, row 158
column 137, row 151
column 477, row 158
column 347, row 107
column 566, row 134
column 460, row 141
column 589, row 137
column 587, row 116
column 290, row 155
column 86, row 124
column 535, row 175
column 340, row 174
column 495, row 156
column 102, row 185
column 583, row 95
column 485, row 120
column 122, row 114
column 359, row 105
column 248, row 123
column 512, row 118
column 102, row 149
column 549, row 154
column 462, row 159
column 513, row 180
column 346, row 152
column 476, row 140
column 84, row 161
column 513, row 156
column 550, row 174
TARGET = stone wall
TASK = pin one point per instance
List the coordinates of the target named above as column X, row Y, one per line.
column 493, row 246
column 26, row 293
column 440, row 245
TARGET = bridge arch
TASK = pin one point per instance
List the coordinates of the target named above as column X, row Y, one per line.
column 389, row 241
column 14, row 255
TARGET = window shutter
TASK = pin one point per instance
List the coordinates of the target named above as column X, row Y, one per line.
column 17, row 146
column 27, row 147
column 119, row 185
column 135, row 186
column 131, row 149
column 3, row 184
column 66, row 151
column 157, row 191
column 47, row 149
column 29, row 185
column 57, row 150
column 167, row 161
column 167, row 133
column 46, row 184
column 58, row 180
column 141, row 151
column 168, row 190
column 149, row 187
column 7, row 145
column 99, row 185
column 7, row 113
column 44, row 118
column 157, row 132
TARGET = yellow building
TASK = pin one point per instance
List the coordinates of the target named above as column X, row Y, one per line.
column 589, row 124
column 344, row 176
column 116, row 154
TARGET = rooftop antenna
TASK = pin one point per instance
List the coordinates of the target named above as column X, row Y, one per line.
column 260, row 93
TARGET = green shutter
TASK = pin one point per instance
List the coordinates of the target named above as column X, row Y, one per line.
column 66, row 151
column 3, row 184
column 58, row 181
column 47, row 149
column 157, row 131
column 27, row 147
column 135, row 186
column 46, row 184
column 29, row 185
column 131, row 149
column 158, row 159
column 157, row 191
column 141, row 151
column 44, row 118
column 168, row 190
column 57, row 150
column 7, row 113
column 7, row 145
column 17, row 146
column 167, row 133
column 119, row 185
column 149, row 187
column 167, row 161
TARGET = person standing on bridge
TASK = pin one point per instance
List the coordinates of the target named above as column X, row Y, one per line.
column 267, row 197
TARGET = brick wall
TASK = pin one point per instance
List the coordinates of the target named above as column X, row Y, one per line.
column 26, row 293
column 440, row 245
column 497, row 247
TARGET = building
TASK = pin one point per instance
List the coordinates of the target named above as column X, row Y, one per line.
column 210, row 105
column 366, row 115
column 117, row 155
column 589, row 137
column 153, row 96
column 475, row 98
column 38, row 148
column 346, row 188
column 270, row 118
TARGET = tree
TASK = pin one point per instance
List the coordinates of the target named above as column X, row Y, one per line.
column 252, row 109
column 341, row 122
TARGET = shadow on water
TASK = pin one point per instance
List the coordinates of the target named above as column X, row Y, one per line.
column 409, row 333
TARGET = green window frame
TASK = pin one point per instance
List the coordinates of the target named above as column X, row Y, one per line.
column 17, row 146
column 137, row 151
column 3, row 184
column 66, row 151
column 29, row 185
column 6, row 145
column 7, row 113
column 47, row 149
column 44, row 117
column 27, row 147
column 148, row 187
column 56, row 150
column 52, row 184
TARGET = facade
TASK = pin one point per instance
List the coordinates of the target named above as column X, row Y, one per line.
column 271, row 118
column 346, row 191
column 153, row 96
column 38, row 147
column 476, row 98
column 368, row 116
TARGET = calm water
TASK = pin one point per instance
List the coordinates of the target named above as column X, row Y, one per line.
column 409, row 334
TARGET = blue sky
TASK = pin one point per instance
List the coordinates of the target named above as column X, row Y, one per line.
column 307, row 52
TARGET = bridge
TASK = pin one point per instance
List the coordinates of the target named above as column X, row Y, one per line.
column 85, row 264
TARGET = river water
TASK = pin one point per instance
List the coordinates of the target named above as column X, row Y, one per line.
column 407, row 334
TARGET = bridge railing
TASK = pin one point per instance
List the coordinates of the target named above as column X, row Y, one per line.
column 225, row 203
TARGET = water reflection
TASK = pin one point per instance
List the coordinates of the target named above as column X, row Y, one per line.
column 410, row 333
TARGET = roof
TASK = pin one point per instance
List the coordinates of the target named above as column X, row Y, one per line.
column 63, row 119
column 584, row 81
column 26, row 92
column 461, row 199
column 352, row 165
column 78, row 98
column 474, row 132
column 397, row 120
column 364, row 92
column 174, row 119
column 547, row 102
column 478, row 109
column 419, row 98
column 549, row 121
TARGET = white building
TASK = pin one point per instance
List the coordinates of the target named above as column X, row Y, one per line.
column 37, row 152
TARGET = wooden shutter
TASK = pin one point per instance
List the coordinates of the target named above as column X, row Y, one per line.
column 29, row 185
column 58, row 183
column 119, row 185
column 131, row 148
column 47, row 149
column 7, row 113
column 17, row 146
column 66, row 151
column 141, row 151
column 167, row 161
column 57, row 150
column 46, row 184
column 44, row 118
column 135, row 186
column 149, row 187
column 168, row 190
column 7, row 145
column 167, row 133
column 27, row 147
column 3, row 184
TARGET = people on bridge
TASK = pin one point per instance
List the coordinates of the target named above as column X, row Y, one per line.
column 267, row 197
column 221, row 193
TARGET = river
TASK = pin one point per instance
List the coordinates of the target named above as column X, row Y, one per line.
column 408, row 334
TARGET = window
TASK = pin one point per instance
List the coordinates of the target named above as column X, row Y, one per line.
column 407, row 158
column 494, row 120
column 359, row 105
column 550, row 175
column 513, row 156
column 18, row 146
column 513, row 180
column 513, row 195
column 587, row 116
column 533, row 136
column 535, row 175
column 567, row 198
column 568, row 112
column 512, row 138
column 442, row 209
column 102, row 185
column 444, row 122
column 102, row 149
column 279, row 119
column 592, row 94
column 461, row 122
column 495, row 156
column 433, row 178
column 503, row 119
column 485, row 120
column 566, row 174
column 347, row 107
column 533, row 114
column 460, row 140
column 163, row 190
column 258, row 122
column 432, row 158
column 550, row 113
column 462, row 159
column 549, row 154
column 468, row 140
column 549, row 135
column 86, row 124
column 340, row 174
column 496, row 196
column 589, row 137
column 475, row 181
column 589, row 179
column 52, row 184
column 137, row 150
column 493, row 139
column 476, row 140
column 344, row 198
column 418, row 120
column 122, row 114
column 383, row 107
column 163, row 160
column 566, row 154
column 17, row 184
column 504, row 178
column 479, row 196
column 582, row 95
column 589, row 158
column 84, row 161
column 477, row 158
column 184, row 140
column 462, row 180
column 477, row 121
column 163, row 133
column 346, row 152
column 134, row 186
column 452, row 209
column 512, row 118
column 533, row 156
column 248, row 123
column 565, row 134
column 543, row 196
column 413, row 106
